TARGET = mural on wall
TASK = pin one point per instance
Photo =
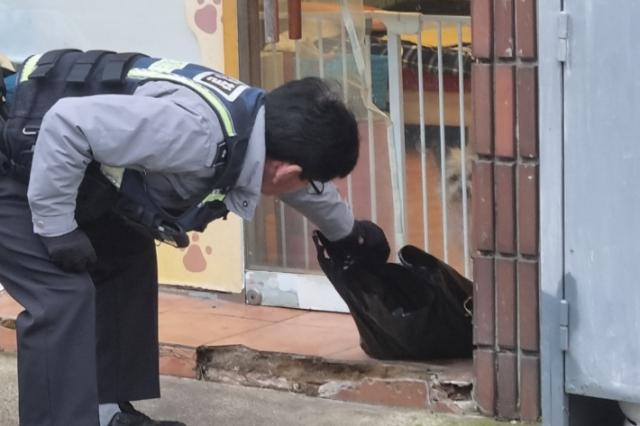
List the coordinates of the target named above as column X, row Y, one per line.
column 214, row 257
column 194, row 260
column 205, row 21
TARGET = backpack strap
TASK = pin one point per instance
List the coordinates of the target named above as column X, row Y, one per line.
column 47, row 62
column 3, row 100
column 115, row 71
column 85, row 64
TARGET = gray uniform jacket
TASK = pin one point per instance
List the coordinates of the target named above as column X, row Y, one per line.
column 170, row 133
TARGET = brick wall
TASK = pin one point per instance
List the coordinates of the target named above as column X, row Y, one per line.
column 505, row 209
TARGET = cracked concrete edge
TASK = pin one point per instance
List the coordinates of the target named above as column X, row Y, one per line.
column 438, row 419
column 382, row 384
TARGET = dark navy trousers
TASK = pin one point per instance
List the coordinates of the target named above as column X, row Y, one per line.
column 83, row 339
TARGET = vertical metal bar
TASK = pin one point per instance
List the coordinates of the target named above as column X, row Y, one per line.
column 271, row 21
column 423, row 146
column 396, row 110
column 343, row 46
column 305, row 221
column 463, row 148
column 283, row 235
column 298, row 70
column 553, row 398
column 372, row 147
column 443, row 164
column 345, row 93
column 274, row 58
column 244, row 59
column 320, row 48
column 255, row 43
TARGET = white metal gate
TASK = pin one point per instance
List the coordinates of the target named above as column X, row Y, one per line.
column 414, row 181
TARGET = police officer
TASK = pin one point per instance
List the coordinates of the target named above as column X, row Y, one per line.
column 104, row 153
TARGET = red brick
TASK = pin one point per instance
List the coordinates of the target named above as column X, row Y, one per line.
column 483, row 205
column 482, row 28
column 505, row 117
column 528, row 305
column 507, row 386
column 393, row 393
column 482, row 93
column 504, row 28
column 484, row 365
column 528, row 226
column 506, row 310
column 484, row 301
column 527, row 80
column 505, row 208
column 526, row 27
column 529, row 388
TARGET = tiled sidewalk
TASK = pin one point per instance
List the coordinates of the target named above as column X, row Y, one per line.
column 263, row 328
column 188, row 321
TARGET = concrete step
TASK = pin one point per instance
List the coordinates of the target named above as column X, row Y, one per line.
column 203, row 403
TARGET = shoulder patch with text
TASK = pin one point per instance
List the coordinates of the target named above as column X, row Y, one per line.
column 228, row 87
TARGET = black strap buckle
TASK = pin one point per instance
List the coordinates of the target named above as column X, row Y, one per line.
column 222, row 152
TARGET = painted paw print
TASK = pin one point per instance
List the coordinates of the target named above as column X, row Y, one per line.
column 194, row 260
column 203, row 15
column 204, row 18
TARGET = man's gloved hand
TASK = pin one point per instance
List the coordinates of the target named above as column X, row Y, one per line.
column 71, row 252
column 366, row 240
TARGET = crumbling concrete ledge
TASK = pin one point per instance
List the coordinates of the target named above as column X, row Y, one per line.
column 440, row 387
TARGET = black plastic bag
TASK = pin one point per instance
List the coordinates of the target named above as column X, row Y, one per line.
column 419, row 310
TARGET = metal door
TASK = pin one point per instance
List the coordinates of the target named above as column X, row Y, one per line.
column 602, row 197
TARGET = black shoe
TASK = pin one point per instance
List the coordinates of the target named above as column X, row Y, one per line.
column 129, row 416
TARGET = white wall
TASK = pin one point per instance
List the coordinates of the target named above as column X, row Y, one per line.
column 159, row 28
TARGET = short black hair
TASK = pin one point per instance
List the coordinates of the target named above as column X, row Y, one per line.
column 307, row 124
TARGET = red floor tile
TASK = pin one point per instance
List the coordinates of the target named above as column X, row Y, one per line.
column 239, row 310
column 183, row 327
column 294, row 338
column 169, row 301
column 193, row 321
column 352, row 354
column 325, row 319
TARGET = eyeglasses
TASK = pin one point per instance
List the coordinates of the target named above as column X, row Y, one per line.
column 315, row 188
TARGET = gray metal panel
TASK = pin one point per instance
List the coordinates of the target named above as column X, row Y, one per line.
column 602, row 199
column 554, row 401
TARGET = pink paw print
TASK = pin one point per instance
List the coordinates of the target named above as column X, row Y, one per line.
column 207, row 15
column 204, row 18
column 194, row 260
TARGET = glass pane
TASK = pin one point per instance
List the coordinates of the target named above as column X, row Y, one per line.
column 279, row 238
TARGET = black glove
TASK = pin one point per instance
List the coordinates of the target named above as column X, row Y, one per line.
column 71, row 252
column 367, row 241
